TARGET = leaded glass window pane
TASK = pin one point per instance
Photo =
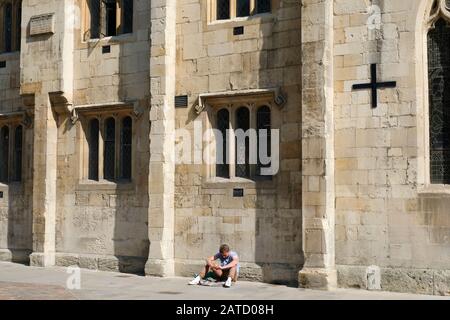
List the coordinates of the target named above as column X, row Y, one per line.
column 223, row 124
column 439, row 100
column 94, row 10
column 126, row 148
column 4, row 156
column 263, row 6
column 127, row 12
column 242, row 147
column 263, row 124
column 109, row 157
column 18, row 140
column 18, row 26
column 93, row 142
column 7, row 25
column 242, row 8
column 111, row 17
column 223, row 9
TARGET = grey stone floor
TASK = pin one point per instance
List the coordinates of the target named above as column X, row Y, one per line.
column 23, row 282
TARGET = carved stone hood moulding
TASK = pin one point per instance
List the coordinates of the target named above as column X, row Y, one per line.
column 440, row 9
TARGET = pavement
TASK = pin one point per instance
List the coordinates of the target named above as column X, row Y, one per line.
column 20, row 282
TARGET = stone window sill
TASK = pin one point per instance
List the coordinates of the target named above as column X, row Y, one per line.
column 241, row 21
column 10, row 55
column 111, row 40
column 434, row 190
column 12, row 187
column 221, row 183
column 104, row 185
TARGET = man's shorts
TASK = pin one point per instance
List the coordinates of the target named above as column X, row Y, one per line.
column 224, row 277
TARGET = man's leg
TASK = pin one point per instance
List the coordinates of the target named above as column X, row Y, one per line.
column 233, row 274
column 201, row 276
column 231, row 277
column 204, row 271
column 219, row 273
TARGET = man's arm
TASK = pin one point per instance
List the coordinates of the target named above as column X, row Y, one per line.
column 210, row 260
column 232, row 264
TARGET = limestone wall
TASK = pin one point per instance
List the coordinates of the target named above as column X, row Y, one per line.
column 15, row 205
column 104, row 224
column 386, row 214
column 120, row 75
column 10, row 83
column 264, row 226
column 16, row 210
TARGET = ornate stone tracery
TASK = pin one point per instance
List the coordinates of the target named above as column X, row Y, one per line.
column 439, row 9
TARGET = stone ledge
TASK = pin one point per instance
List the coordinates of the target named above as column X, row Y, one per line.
column 159, row 268
column 317, row 278
column 276, row 273
column 123, row 264
column 41, row 259
column 406, row 280
column 15, row 255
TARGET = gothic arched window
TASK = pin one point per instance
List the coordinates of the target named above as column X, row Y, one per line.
column 242, row 142
column 17, row 153
column 231, row 9
column 11, row 14
column 93, row 143
column 106, row 18
column 439, row 101
column 7, row 26
column 126, row 148
column 263, row 126
column 263, row 6
column 223, row 124
column 242, row 8
column 4, row 156
column 94, row 13
column 109, row 160
column 223, row 9
column 18, row 34
column 109, row 147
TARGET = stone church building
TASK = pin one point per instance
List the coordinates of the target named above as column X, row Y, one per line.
column 94, row 94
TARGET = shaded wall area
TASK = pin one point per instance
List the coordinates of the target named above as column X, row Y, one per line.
column 264, row 226
column 15, row 197
column 104, row 224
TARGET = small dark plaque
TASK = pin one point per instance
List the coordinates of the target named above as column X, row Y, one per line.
column 1, row 194
column 181, row 101
column 2, row 64
column 238, row 193
column 106, row 49
column 238, row 31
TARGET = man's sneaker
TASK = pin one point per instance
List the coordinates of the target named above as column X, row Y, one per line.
column 227, row 283
column 195, row 281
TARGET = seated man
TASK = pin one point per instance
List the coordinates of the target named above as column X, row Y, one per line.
column 228, row 270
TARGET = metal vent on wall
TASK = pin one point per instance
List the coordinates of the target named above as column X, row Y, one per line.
column 181, row 101
column 106, row 49
column 238, row 31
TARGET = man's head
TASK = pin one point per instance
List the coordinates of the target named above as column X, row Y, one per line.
column 224, row 250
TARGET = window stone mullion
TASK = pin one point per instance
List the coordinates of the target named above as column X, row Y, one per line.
column 101, row 147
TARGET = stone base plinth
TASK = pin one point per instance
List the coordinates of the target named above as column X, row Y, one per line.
column 160, row 268
column 411, row 280
column 15, row 255
column 125, row 264
column 318, row 278
column 40, row 259
column 276, row 273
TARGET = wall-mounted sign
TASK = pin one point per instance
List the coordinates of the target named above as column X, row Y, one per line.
column 42, row 24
